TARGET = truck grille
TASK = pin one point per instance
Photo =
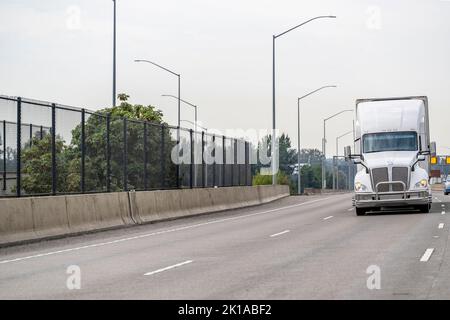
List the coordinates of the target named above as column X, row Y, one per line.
column 380, row 175
column 399, row 174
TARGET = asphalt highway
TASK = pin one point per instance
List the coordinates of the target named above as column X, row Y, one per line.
column 308, row 247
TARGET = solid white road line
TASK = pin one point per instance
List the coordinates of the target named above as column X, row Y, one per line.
column 280, row 233
column 101, row 244
column 168, row 268
column 441, row 225
column 327, row 218
column 426, row 256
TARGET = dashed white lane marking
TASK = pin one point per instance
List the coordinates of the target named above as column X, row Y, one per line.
column 327, row 218
column 443, row 212
column 168, row 268
column 426, row 256
column 280, row 233
column 351, row 209
column 101, row 244
column 441, row 226
column 443, row 205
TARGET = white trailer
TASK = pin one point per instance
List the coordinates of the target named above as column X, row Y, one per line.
column 392, row 150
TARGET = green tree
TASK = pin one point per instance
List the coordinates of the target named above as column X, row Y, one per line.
column 37, row 157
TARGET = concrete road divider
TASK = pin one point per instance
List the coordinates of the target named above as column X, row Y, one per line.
column 49, row 216
column 32, row 218
column 16, row 220
column 98, row 211
column 26, row 219
column 152, row 206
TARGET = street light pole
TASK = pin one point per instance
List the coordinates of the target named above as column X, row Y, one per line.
column 114, row 55
column 274, row 37
column 298, row 133
column 179, row 108
column 188, row 121
column 337, row 156
column 179, row 83
column 195, row 126
column 324, row 142
column 186, row 102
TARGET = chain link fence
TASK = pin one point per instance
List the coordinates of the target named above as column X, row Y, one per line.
column 50, row 149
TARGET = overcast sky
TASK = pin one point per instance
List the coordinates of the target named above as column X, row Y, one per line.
column 58, row 50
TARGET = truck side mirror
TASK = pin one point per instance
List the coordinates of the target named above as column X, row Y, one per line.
column 347, row 152
column 433, row 149
column 420, row 157
column 361, row 162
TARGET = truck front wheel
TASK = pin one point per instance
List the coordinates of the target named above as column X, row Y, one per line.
column 361, row 211
column 424, row 208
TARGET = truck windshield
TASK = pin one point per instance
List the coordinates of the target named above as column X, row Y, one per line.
column 390, row 141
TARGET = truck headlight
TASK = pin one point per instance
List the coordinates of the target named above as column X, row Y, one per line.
column 422, row 183
column 360, row 187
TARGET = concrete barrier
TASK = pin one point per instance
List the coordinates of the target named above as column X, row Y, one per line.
column 97, row 211
column 152, row 206
column 16, row 220
column 25, row 219
column 49, row 216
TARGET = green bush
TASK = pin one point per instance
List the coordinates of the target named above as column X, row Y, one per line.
column 259, row 179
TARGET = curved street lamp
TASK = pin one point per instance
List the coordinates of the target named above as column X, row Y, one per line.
column 274, row 37
column 324, row 142
column 299, row 189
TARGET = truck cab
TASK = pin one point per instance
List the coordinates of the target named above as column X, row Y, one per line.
column 392, row 150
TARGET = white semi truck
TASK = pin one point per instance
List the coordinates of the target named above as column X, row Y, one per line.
column 392, row 151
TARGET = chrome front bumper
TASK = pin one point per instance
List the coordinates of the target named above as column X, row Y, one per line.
column 392, row 198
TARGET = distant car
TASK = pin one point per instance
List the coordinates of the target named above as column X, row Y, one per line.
column 447, row 185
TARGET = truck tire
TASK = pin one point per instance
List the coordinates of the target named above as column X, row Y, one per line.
column 424, row 208
column 361, row 211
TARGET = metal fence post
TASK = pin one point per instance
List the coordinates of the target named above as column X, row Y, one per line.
column 214, row 164
column 19, row 147
column 145, row 157
column 31, row 135
column 224, row 160
column 246, row 162
column 83, row 150
column 232, row 148
column 4, row 155
column 191, row 166
column 108, row 152
column 125, row 156
column 163, row 166
column 178, row 156
column 237, row 162
column 204, row 178
column 54, row 171
column 42, row 133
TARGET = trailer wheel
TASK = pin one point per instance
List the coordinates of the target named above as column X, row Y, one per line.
column 361, row 211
